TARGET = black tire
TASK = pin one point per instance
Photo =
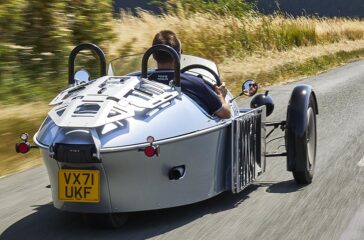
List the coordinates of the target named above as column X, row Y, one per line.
column 309, row 142
column 105, row 220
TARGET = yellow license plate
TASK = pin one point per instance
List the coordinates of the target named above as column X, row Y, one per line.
column 79, row 185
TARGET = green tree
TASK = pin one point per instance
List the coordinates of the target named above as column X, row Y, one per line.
column 36, row 37
column 10, row 22
column 89, row 20
column 10, row 19
column 45, row 37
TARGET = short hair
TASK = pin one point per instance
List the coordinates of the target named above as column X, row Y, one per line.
column 169, row 38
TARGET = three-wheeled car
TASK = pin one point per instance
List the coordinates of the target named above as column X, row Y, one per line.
column 126, row 143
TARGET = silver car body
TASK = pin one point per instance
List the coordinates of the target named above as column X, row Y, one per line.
column 116, row 114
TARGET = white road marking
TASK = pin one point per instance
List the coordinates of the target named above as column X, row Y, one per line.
column 361, row 162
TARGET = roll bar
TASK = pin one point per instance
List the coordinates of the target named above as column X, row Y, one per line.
column 170, row 51
column 76, row 50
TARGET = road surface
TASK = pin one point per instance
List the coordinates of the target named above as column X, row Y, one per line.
column 332, row 207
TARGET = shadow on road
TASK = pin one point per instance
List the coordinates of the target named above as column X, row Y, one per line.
column 283, row 187
column 50, row 223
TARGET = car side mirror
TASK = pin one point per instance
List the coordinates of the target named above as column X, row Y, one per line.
column 82, row 76
column 249, row 88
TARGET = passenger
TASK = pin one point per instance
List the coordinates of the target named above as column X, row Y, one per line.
column 211, row 100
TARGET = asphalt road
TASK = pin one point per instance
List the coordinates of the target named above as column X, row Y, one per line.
column 332, row 207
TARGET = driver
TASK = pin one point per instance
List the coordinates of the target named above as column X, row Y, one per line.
column 211, row 100
column 253, row 88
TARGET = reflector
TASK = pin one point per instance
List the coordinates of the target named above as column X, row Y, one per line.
column 23, row 147
column 24, row 136
column 149, row 151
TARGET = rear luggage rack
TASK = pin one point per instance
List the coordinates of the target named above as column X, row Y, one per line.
column 116, row 100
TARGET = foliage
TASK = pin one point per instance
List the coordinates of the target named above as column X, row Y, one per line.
column 223, row 37
column 45, row 35
column 36, row 37
column 10, row 19
column 89, row 20
column 237, row 8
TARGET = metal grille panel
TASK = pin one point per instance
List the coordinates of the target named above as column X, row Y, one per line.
column 246, row 149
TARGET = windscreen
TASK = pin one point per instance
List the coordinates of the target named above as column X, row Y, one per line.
column 130, row 64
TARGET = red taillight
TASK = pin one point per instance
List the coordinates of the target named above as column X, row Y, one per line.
column 22, row 147
column 149, row 151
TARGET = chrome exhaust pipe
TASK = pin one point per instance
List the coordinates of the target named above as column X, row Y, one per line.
column 177, row 172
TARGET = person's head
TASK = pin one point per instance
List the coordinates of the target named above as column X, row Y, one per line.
column 169, row 38
column 253, row 88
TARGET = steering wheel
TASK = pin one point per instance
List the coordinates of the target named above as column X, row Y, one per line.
column 193, row 66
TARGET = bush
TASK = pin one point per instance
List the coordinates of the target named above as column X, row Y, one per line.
column 237, row 8
column 89, row 21
column 36, row 38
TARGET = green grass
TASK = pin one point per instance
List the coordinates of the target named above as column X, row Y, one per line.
column 24, row 80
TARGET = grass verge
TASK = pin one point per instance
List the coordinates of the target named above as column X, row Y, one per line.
column 232, row 36
column 15, row 120
column 295, row 70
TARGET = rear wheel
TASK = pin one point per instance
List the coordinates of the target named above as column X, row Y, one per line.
column 105, row 220
column 309, row 142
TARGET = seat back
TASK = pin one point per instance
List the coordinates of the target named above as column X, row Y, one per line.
column 164, row 76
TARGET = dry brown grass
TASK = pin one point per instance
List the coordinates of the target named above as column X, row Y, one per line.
column 244, row 46
column 338, row 29
column 267, row 61
column 139, row 31
column 25, row 111
column 15, row 120
column 225, row 36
